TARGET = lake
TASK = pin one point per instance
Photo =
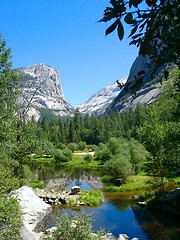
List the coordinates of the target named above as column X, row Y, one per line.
column 118, row 213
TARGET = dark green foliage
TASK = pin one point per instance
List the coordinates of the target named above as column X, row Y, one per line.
column 10, row 215
column 10, row 219
column 88, row 157
column 122, row 157
column 91, row 130
column 118, row 167
column 161, row 133
column 81, row 145
column 155, row 29
column 103, row 153
column 72, row 146
column 64, row 155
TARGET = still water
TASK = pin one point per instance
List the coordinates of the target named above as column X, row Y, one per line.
column 118, row 213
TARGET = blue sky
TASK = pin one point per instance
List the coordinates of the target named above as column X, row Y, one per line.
column 65, row 34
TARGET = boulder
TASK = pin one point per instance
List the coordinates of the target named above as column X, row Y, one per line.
column 123, row 237
column 142, row 204
column 35, row 211
column 118, row 182
column 75, row 190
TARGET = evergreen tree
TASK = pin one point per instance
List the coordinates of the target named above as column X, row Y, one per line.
column 10, row 217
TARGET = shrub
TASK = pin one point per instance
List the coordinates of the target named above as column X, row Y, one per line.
column 75, row 227
column 88, row 157
column 81, row 145
column 72, row 146
column 103, row 154
column 64, row 155
column 118, row 167
column 59, row 156
column 37, row 184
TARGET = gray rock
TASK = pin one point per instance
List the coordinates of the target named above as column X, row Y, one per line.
column 109, row 236
column 34, row 210
column 75, row 190
column 44, row 83
column 26, row 235
column 123, row 237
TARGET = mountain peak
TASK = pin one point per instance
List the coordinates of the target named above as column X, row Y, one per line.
column 100, row 100
column 44, row 83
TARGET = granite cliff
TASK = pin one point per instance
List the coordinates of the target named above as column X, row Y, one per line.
column 41, row 92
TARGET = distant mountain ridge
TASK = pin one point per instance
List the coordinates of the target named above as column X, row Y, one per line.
column 41, row 92
column 98, row 103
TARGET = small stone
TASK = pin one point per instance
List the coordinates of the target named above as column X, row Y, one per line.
column 123, row 237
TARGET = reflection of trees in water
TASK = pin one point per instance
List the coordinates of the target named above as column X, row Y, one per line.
column 121, row 204
column 156, row 226
column 47, row 172
column 58, row 177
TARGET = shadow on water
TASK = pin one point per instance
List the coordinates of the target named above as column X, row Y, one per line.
column 118, row 213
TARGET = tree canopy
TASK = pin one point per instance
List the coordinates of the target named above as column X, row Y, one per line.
column 155, row 27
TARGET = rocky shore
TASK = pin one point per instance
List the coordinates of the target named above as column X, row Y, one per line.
column 57, row 198
column 36, row 209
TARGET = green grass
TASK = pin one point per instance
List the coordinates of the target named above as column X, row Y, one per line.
column 37, row 184
column 91, row 198
column 78, row 161
column 133, row 183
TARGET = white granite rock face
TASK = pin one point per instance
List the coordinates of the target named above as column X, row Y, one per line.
column 42, row 83
column 97, row 103
column 34, row 210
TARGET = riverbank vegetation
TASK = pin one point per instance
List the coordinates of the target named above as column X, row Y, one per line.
column 88, row 198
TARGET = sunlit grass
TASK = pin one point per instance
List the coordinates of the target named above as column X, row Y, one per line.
column 133, row 183
column 91, row 198
column 78, row 161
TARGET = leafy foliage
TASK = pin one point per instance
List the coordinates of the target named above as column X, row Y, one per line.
column 75, row 227
column 10, row 215
column 119, row 167
column 155, row 28
column 160, row 134
column 64, row 155
column 122, row 157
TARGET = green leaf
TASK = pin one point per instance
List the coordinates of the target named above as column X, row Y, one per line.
column 112, row 27
column 120, row 30
column 133, row 30
column 113, row 2
column 137, row 35
column 128, row 18
column 151, row 3
column 136, row 2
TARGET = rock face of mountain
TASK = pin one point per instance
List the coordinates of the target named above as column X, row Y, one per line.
column 41, row 92
column 98, row 103
column 144, row 95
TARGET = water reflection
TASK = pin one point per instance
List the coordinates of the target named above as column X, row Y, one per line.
column 118, row 213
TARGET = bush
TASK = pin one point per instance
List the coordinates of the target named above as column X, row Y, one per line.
column 103, row 154
column 72, row 146
column 64, row 155
column 91, row 197
column 118, row 167
column 75, row 227
column 37, row 184
column 10, row 213
column 88, row 157
column 81, row 145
